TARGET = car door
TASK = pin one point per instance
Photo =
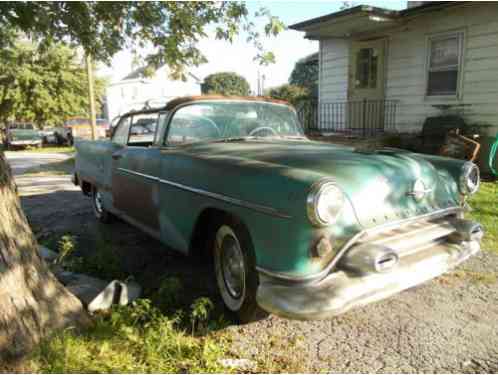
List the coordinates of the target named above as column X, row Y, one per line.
column 135, row 174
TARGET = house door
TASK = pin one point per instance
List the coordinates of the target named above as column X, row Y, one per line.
column 366, row 108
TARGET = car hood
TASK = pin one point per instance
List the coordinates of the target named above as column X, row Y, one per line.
column 379, row 183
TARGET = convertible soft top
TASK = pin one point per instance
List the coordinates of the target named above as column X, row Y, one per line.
column 186, row 99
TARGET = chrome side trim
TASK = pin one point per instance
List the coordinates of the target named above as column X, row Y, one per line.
column 237, row 202
column 365, row 232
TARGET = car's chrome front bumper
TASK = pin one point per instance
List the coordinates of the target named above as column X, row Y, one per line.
column 344, row 289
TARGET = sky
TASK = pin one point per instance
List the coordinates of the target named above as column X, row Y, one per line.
column 288, row 47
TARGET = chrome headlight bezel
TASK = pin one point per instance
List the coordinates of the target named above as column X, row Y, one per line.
column 469, row 179
column 317, row 197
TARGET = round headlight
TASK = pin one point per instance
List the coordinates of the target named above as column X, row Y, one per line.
column 325, row 202
column 469, row 179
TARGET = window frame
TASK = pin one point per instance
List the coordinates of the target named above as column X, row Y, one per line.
column 153, row 112
column 460, row 34
column 130, row 117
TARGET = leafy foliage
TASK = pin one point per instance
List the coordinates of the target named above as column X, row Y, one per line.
column 43, row 85
column 291, row 93
column 305, row 74
column 171, row 28
column 225, row 83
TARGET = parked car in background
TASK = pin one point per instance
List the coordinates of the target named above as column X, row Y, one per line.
column 22, row 135
column 299, row 228
column 81, row 128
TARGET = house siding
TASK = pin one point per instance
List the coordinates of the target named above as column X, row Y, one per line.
column 406, row 66
column 334, row 66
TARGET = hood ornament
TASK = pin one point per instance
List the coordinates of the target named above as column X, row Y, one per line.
column 419, row 191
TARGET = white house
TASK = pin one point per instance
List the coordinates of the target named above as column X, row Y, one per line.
column 135, row 91
column 396, row 68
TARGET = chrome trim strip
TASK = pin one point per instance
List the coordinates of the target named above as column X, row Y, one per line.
column 365, row 232
column 238, row 202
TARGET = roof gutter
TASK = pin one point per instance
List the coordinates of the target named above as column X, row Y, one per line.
column 375, row 14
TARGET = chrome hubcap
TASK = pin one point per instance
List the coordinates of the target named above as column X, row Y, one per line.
column 98, row 202
column 233, row 266
column 230, row 268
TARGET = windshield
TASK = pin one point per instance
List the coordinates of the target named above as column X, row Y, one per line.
column 219, row 120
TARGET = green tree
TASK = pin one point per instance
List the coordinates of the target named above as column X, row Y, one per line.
column 43, row 85
column 172, row 28
column 33, row 303
column 225, row 83
column 291, row 93
column 305, row 74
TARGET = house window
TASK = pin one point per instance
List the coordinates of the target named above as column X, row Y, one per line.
column 444, row 64
column 366, row 68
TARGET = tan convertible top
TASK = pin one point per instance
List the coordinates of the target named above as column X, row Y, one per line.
column 186, row 99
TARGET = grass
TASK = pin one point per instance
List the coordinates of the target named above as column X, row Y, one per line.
column 154, row 334
column 57, row 168
column 132, row 339
column 485, row 210
column 51, row 149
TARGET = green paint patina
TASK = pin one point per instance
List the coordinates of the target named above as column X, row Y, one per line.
column 173, row 185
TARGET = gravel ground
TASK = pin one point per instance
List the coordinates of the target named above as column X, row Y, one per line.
column 447, row 325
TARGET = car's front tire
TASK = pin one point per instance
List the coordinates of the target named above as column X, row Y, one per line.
column 235, row 269
column 100, row 212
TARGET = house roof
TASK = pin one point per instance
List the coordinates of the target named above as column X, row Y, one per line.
column 140, row 74
column 364, row 18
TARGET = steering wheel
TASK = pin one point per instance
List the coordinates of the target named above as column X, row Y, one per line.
column 263, row 128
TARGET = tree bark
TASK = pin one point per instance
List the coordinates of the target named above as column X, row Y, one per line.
column 32, row 301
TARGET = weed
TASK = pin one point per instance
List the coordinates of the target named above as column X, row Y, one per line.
column 199, row 316
column 103, row 262
column 65, row 247
column 169, row 293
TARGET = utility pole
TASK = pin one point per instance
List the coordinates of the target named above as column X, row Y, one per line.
column 259, row 84
column 91, row 96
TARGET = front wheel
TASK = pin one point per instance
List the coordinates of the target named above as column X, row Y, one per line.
column 100, row 212
column 236, row 276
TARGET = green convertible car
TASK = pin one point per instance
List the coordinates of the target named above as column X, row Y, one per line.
column 302, row 229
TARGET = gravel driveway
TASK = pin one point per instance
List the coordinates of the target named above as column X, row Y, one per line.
column 447, row 325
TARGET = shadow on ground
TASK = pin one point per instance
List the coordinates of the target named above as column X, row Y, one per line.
column 120, row 249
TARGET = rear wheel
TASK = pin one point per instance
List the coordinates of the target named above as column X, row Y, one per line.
column 100, row 212
column 236, row 276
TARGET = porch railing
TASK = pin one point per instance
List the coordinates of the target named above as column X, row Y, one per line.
column 361, row 118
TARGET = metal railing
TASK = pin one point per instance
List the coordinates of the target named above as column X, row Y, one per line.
column 361, row 118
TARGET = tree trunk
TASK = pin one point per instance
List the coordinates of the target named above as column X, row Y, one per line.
column 32, row 302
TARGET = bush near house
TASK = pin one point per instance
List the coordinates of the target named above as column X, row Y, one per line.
column 305, row 74
column 225, row 83
column 291, row 93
